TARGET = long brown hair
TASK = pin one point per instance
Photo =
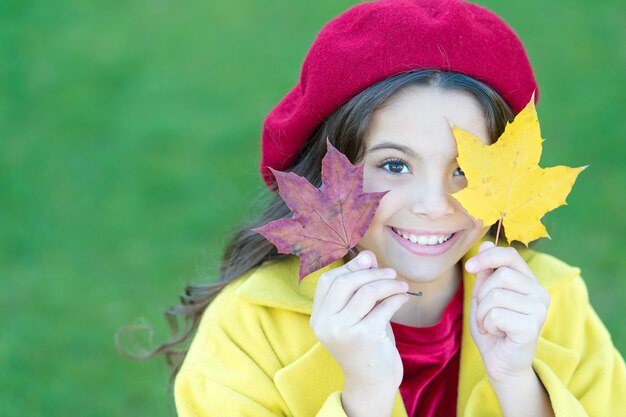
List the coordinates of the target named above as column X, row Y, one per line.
column 345, row 128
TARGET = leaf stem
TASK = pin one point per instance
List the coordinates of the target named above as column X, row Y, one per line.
column 352, row 253
column 498, row 231
column 417, row 294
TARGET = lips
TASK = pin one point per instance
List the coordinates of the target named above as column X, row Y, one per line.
column 421, row 242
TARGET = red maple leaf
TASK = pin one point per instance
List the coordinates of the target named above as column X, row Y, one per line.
column 328, row 221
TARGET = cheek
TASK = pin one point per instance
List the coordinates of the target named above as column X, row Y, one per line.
column 383, row 211
column 481, row 231
column 458, row 184
column 478, row 224
column 388, row 212
column 462, row 210
column 371, row 183
column 376, row 180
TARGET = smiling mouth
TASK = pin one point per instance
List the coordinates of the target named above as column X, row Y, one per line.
column 423, row 239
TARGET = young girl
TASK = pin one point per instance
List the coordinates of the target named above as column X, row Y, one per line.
column 496, row 331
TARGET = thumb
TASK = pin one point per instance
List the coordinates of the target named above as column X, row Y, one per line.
column 368, row 259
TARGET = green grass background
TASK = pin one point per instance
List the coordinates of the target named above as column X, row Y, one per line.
column 129, row 137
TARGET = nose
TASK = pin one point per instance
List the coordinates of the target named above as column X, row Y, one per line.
column 432, row 200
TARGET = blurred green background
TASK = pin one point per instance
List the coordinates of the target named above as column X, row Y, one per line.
column 129, row 137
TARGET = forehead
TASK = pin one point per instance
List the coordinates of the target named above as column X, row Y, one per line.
column 422, row 117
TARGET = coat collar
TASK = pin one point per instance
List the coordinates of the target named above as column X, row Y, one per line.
column 275, row 284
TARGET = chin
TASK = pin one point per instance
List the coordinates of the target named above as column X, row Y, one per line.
column 421, row 274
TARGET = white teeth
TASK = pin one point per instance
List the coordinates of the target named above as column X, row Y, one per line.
column 429, row 240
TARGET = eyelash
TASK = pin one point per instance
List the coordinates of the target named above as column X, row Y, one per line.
column 387, row 162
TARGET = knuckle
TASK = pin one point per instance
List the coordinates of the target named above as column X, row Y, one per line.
column 335, row 331
column 496, row 273
column 480, row 316
column 367, row 291
column 497, row 294
column 493, row 315
column 536, row 327
column 329, row 334
column 500, row 275
column 479, row 298
column 359, row 332
column 318, row 330
column 506, row 271
column 528, row 326
column 341, row 282
column 543, row 311
column 540, row 294
column 325, row 278
column 511, row 253
column 325, row 330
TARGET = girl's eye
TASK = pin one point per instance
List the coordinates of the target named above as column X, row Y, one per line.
column 395, row 166
column 459, row 172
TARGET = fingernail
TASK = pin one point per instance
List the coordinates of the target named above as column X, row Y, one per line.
column 487, row 245
column 471, row 265
column 363, row 259
column 388, row 272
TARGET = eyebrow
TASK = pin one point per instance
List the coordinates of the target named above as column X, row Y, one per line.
column 390, row 145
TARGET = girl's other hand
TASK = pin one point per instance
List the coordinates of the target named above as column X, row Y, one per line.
column 507, row 312
column 352, row 308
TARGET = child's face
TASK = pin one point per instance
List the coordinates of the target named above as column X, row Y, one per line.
column 410, row 150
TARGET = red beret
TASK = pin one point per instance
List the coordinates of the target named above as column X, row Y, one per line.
column 373, row 41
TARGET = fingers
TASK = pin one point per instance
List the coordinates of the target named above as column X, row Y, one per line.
column 355, row 302
column 517, row 327
column 384, row 311
column 534, row 304
column 343, row 282
column 510, row 304
column 364, row 260
column 501, row 299
column 507, row 298
column 344, row 288
column 505, row 278
column 372, row 295
column 490, row 257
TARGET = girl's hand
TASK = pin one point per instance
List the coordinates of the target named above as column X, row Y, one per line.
column 352, row 308
column 507, row 312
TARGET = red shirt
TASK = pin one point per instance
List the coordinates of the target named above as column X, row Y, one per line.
column 430, row 356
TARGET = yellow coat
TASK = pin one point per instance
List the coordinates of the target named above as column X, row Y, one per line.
column 255, row 354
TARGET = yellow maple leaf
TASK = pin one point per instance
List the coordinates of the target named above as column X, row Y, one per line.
column 505, row 182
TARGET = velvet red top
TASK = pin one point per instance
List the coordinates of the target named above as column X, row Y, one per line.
column 430, row 356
